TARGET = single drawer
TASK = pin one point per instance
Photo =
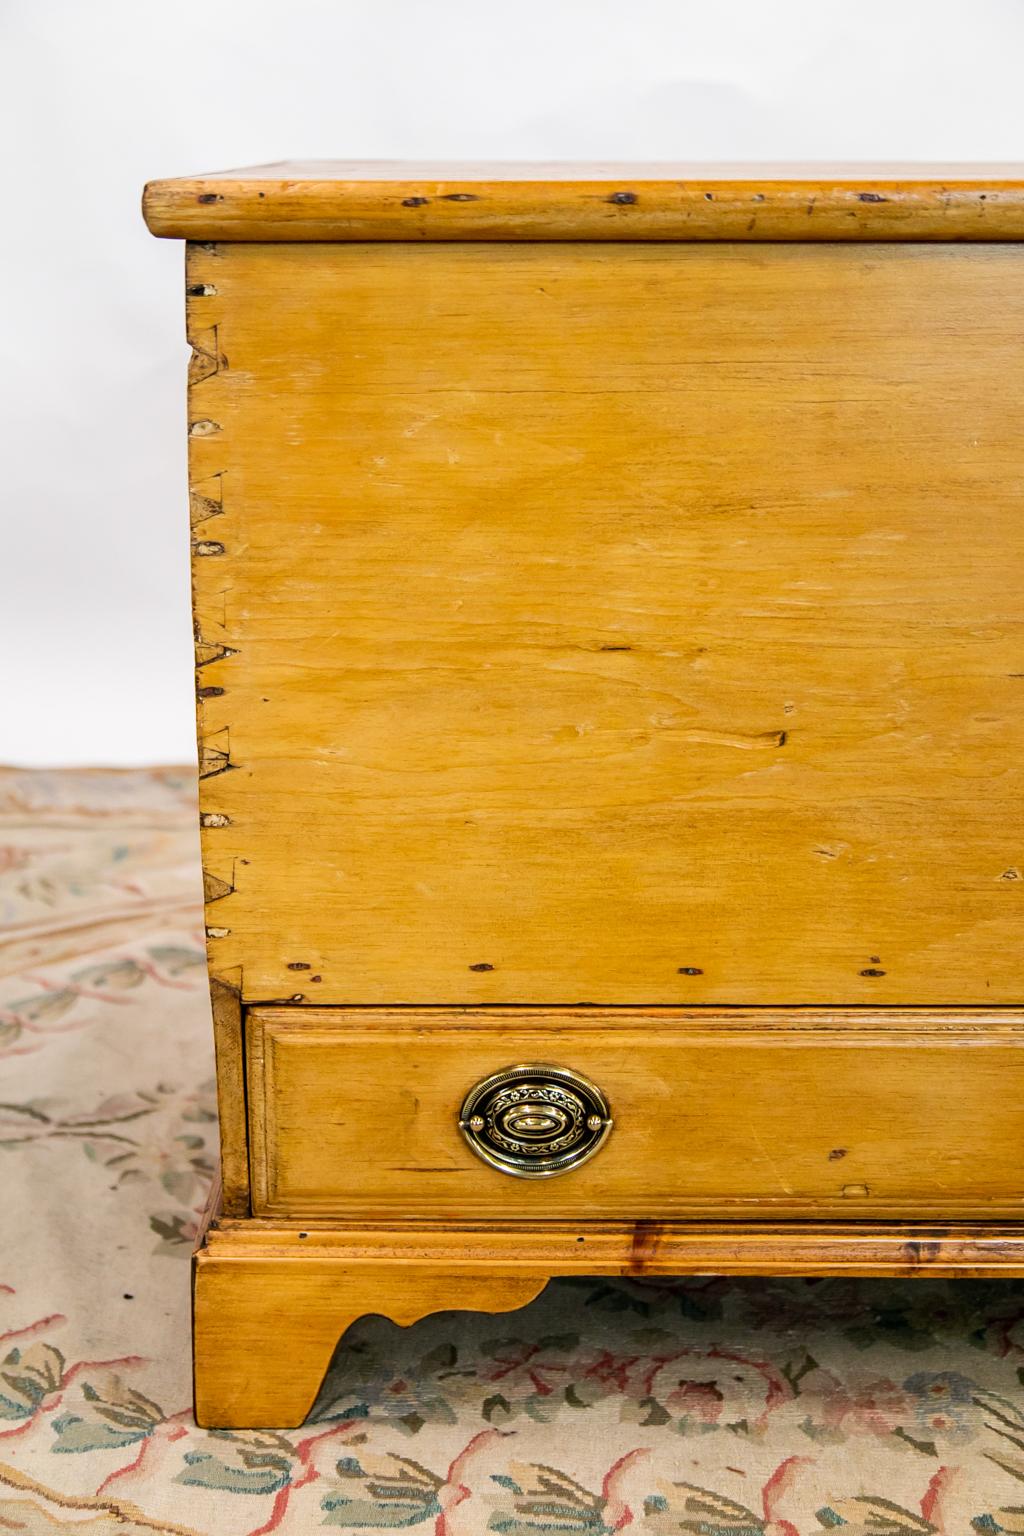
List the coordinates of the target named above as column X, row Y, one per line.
column 356, row 1112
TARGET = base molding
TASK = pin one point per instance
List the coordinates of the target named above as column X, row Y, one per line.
column 272, row 1299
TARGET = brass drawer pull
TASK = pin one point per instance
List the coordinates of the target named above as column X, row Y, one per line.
column 534, row 1121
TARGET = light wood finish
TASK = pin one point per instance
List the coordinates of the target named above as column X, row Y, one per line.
column 265, row 1327
column 354, row 1113
column 607, row 593
column 339, row 200
column 271, row 1302
column 231, row 1114
column 636, row 626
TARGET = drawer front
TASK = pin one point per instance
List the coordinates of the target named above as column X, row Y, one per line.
column 356, row 1113
column 634, row 624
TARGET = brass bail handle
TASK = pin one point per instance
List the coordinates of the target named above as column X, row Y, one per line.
column 535, row 1120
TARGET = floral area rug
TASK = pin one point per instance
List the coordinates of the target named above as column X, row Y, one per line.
column 703, row 1406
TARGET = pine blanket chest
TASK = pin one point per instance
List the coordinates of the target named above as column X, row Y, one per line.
column 610, row 669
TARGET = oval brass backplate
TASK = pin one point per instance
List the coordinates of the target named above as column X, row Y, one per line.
column 534, row 1121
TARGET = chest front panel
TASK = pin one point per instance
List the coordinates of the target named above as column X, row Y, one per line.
column 621, row 623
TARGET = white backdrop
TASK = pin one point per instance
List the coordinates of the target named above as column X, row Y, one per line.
column 96, row 96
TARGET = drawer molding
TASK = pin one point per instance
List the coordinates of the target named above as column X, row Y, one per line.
column 354, row 1114
column 248, row 1275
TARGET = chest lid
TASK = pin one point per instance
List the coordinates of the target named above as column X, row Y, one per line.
column 410, row 201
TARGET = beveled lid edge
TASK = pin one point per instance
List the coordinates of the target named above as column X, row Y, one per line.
column 340, row 200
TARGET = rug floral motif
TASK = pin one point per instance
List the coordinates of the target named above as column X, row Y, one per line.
column 702, row 1406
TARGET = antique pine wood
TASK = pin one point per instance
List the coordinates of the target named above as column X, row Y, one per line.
column 351, row 200
column 352, row 1114
column 588, row 623
column 228, row 1040
column 271, row 1299
column 609, row 653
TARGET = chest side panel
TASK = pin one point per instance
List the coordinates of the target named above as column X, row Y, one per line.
column 622, row 624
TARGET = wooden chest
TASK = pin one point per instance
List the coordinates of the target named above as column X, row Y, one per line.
column 610, row 666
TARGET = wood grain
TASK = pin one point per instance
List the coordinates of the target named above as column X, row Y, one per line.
column 272, row 1301
column 264, row 1329
column 633, row 627
column 404, row 201
column 354, row 1114
column 231, row 1113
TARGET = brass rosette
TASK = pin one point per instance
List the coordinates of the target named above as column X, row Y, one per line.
column 534, row 1121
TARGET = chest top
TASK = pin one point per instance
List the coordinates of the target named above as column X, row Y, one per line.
column 395, row 200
